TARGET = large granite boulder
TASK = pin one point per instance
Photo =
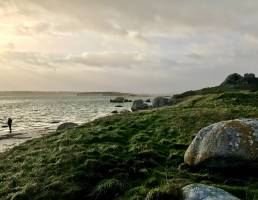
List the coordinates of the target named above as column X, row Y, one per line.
column 66, row 125
column 139, row 105
column 205, row 192
column 231, row 144
column 161, row 101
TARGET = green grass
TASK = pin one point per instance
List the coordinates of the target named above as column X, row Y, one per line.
column 125, row 156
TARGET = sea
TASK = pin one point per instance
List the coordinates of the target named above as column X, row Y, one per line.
column 37, row 114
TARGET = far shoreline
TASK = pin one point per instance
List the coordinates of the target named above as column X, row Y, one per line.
column 82, row 93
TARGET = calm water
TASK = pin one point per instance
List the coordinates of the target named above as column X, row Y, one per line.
column 36, row 115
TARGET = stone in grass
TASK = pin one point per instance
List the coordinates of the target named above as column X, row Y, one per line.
column 124, row 111
column 226, row 144
column 139, row 105
column 161, row 102
column 66, row 125
column 200, row 191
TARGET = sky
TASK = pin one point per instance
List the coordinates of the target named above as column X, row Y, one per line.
column 139, row 46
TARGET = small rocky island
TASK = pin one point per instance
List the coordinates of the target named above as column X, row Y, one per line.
column 120, row 100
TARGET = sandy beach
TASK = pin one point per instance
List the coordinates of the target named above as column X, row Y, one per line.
column 9, row 140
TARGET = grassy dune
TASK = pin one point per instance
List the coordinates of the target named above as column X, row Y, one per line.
column 126, row 156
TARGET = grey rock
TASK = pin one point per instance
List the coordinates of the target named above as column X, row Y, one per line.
column 230, row 144
column 125, row 111
column 55, row 122
column 173, row 100
column 161, row 101
column 118, row 100
column 139, row 105
column 248, row 81
column 249, row 76
column 205, row 192
column 66, row 125
column 127, row 100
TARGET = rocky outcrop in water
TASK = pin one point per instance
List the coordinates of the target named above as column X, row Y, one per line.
column 225, row 144
column 66, row 125
column 120, row 100
column 201, row 191
column 139, row 105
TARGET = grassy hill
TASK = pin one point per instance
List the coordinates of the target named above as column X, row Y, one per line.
column 126, row 156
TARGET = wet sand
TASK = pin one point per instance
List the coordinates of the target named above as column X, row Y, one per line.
column 9, row 140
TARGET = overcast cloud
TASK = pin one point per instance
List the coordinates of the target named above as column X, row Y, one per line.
column 148, row 46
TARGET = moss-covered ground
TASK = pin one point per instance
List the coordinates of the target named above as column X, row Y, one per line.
column 126, row 156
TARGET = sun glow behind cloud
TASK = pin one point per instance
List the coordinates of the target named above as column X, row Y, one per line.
column 136, row 46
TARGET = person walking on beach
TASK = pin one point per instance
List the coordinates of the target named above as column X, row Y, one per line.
column 9, row 123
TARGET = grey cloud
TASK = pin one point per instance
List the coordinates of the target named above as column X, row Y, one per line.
column 144, row 18
column 156, row 16
column 94, row 60
column 38, row 28
column 111, row 59
column 218, row 37
column 27, row 60
column 138, row 73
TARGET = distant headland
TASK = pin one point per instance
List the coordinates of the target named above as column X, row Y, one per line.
column 106, row 94
column 25, row 93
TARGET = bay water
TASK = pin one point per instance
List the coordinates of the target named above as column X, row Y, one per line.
column 39, row 114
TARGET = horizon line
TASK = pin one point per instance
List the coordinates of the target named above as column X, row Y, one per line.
column 78, row 92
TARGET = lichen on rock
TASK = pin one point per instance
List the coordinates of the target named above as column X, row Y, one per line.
column 201, row 191
column 225, row 144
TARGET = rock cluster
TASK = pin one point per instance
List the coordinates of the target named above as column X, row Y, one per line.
column 139, row 105
column 120, row 100
column 157, row 102
column 244, row 82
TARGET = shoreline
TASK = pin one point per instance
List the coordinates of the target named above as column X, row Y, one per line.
column 10, row 140
column 17, row 137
